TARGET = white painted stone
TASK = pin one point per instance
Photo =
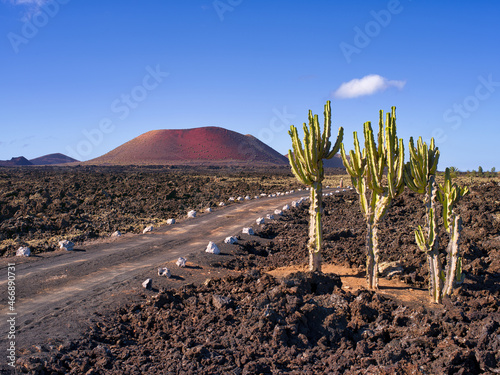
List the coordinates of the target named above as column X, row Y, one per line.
column 212, row 248
column 286, row 207
column 222, row 204
column 192, row 214
column 23, row 251
column 231, row 240
column 164, row 271
column 260, row 220
column 170, row 221
column 278, row 212
column 66, row 245
column 270, row 216
column 147, row 284
column 208, row 209
column 116, row 234
column 248, row 231
column 181, row 262
column 148, row 229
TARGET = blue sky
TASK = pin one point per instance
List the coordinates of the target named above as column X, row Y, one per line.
column 83, row 77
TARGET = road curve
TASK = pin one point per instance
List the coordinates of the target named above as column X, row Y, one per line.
column 62, row 289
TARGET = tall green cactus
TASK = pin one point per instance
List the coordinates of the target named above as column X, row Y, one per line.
column 376, row 191
column 420, row 176
column 307, row 165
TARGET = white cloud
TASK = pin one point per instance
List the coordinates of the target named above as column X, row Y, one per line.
column 28, row 2
column 31, row 6
column 368, row 85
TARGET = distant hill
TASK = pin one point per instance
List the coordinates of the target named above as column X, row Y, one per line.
column 198, row 146
column 335, row 162
column 18, row 161
column 52, row 159
column 42, row 160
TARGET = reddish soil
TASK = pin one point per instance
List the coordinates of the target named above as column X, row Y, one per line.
column 253, row 323
column 199, row 145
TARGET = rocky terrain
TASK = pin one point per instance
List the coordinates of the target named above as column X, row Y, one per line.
column 253, row 323
column 41, row 206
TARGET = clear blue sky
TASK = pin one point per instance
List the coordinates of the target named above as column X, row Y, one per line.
column 82, row 77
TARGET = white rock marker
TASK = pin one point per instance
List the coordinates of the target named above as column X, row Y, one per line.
column 181, row 262
column 66, row 245
column 164, row 271
column 212, row 248
column 208, row 209
column 116, row 234
column 170, row 221
column 222, row 204
column 148, row 284
column 248, row 231
column 149, row 228
column 270, row 216
column 231, row 240
column 23, row 251
column 192, row 214
column 278, row 212
column 260, row 220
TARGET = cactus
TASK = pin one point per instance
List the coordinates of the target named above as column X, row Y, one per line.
column 420, row 176
column 306, row 161
column 376, row 191
column 449, row 194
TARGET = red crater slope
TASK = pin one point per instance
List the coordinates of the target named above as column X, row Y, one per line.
column 203, row 146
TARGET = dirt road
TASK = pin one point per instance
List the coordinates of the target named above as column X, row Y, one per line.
column 57, row 294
